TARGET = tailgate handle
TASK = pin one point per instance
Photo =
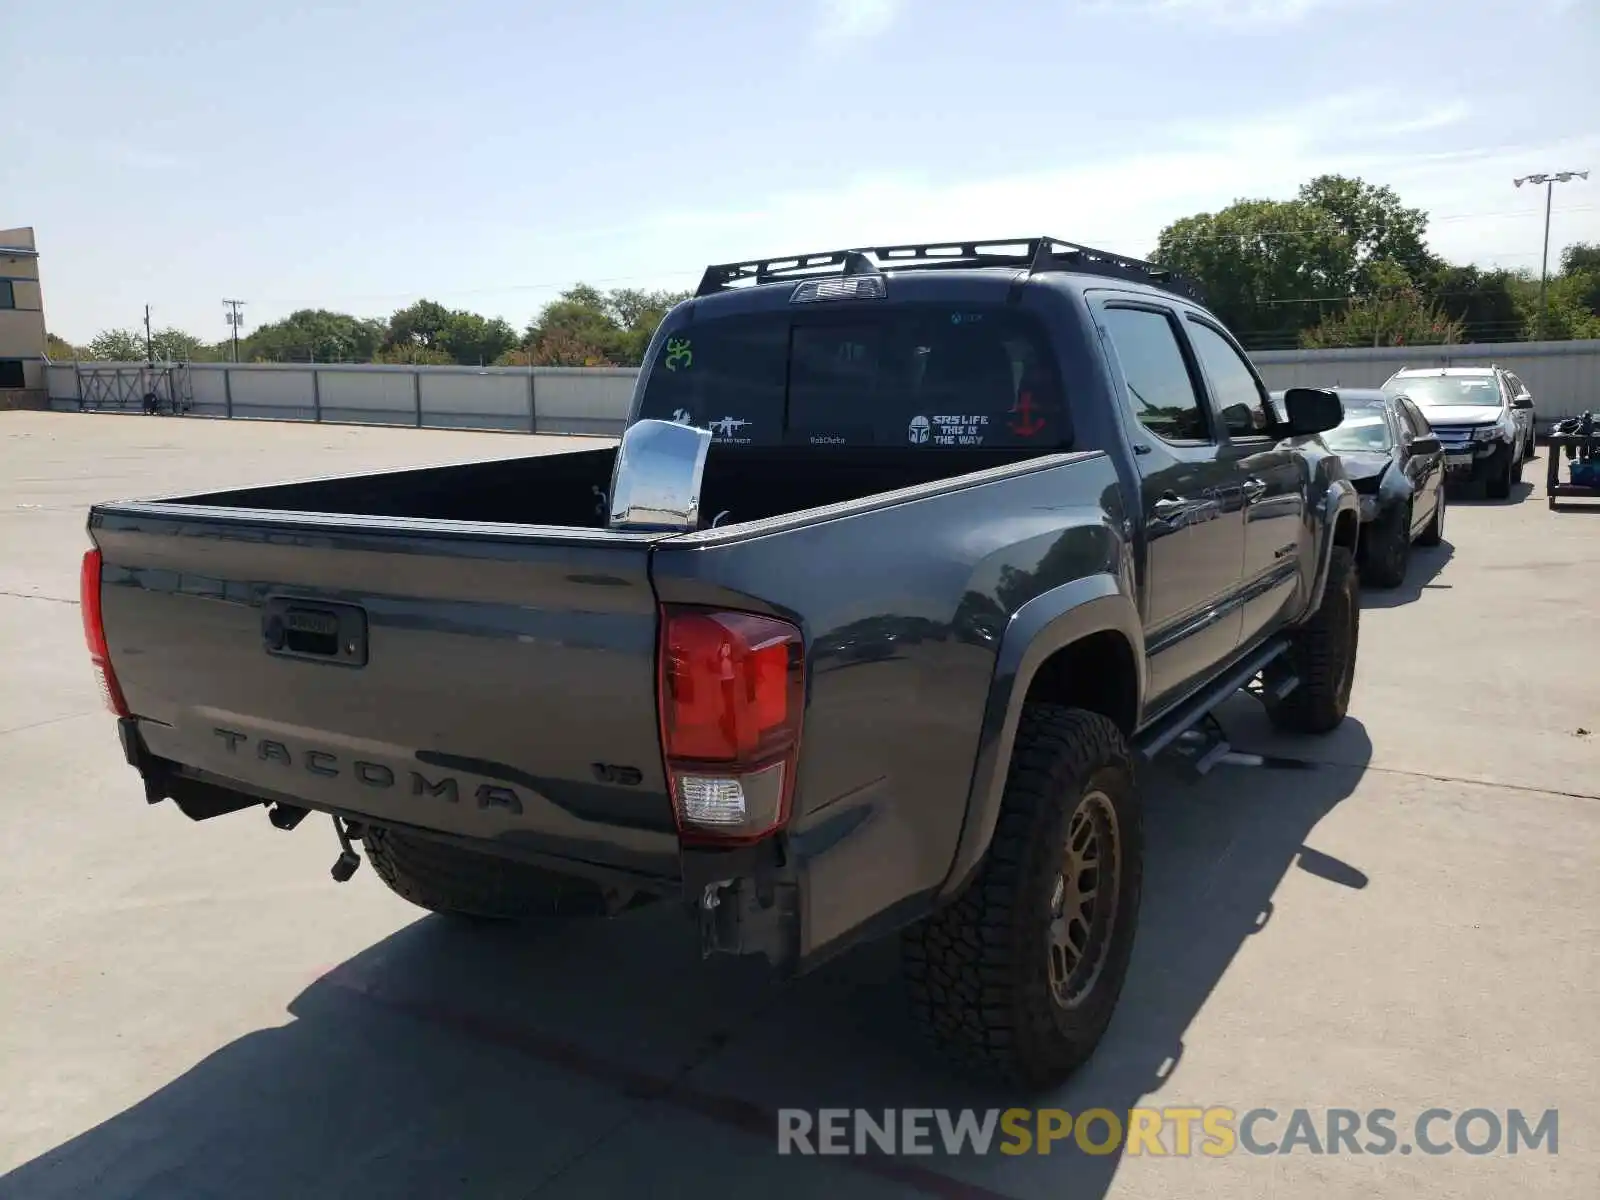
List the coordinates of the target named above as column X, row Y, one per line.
column 315, row 630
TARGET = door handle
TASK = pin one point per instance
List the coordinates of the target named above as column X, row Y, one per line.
column 1253, row 490
column 315, row 631
column 1169, row 505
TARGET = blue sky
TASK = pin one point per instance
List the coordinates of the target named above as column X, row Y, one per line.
column 487, row 153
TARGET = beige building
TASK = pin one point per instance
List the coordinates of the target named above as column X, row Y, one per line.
column 22, row 339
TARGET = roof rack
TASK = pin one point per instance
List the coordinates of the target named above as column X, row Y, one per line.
column 1034, row 255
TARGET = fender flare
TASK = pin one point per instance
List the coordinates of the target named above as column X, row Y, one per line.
column 1340, row 498
column 1047, row 623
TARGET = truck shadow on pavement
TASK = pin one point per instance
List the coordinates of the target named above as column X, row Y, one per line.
column 1426, row 564
column 1474, row 495
column 607, row 1059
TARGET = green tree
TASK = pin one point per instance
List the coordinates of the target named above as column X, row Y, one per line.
column 1274, row 268
column 313, row 335
column 174, row 345
column 117, row 345
column 1581, row 256
column 1370, row 226
column 579, row 318
column 415, row 353
column 639, row 312
column 1492, row 306
column 1266, row 266
column 1570, row 307
column 637, row 309
column 1394, row 313
column 562, row 347
column 61, row 350
column 166, row 345
column 420, row 324
column 585, row 323
column 449, row 335
column 473, row 340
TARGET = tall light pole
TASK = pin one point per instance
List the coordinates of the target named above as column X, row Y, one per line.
column 235, row 319
column 1549, row 182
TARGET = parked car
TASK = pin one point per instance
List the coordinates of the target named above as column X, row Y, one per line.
column 1047, row 473
column 1522, row 402
column 1483, row 416
column 1396, row 463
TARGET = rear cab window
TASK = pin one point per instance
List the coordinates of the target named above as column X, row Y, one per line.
column 925, row 376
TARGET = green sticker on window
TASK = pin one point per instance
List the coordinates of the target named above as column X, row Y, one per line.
column 680, row 353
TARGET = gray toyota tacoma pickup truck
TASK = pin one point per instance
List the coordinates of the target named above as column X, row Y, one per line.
column 908, row 556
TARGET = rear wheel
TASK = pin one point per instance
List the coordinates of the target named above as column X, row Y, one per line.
column 447, row 879
column 1018, row 977
column 1323, row 656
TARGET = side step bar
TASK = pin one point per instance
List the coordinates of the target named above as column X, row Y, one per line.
column 1186, row 728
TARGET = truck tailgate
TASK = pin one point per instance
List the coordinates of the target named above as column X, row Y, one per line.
column 488, row 681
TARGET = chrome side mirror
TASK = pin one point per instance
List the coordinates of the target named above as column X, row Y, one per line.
column 655, row 484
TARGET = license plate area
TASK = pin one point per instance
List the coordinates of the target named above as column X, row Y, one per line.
column 315, row 631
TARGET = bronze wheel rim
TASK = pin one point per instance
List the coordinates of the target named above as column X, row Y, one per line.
column 1084, row 900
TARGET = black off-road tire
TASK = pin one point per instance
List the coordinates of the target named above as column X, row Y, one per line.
column 1323, row 655
column 1433, row 533
column 1389, row 552
column 447, row 879
column 978, row 971
column 1506, row 473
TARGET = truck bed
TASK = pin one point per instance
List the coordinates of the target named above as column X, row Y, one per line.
column 471, row 654
column 566, row 489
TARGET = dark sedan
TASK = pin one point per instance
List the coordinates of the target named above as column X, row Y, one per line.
column 1392, row 456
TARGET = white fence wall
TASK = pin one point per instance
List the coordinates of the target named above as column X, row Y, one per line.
column 1563, row 376
column 544, row 400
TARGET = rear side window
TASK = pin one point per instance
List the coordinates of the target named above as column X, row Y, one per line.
column 925, row 376
column 1159, row 384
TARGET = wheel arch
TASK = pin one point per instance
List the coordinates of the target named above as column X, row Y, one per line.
column 1080, row 645
column 1340, row 516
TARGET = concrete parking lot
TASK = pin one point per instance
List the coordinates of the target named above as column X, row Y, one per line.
column 195, row 1010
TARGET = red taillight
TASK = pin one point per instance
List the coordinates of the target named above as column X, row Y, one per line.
column 94, row 633
column 732, row 689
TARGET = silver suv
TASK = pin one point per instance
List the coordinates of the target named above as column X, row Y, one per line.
column 1483, row 416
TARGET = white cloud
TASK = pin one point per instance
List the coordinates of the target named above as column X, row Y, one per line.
column 1231, row 13
column 850, row 21
column 1122, row 203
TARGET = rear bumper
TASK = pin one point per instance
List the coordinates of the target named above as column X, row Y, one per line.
column 746, row 899
column 203, row 794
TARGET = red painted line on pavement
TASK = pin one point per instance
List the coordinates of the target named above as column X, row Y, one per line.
column 728, row 1111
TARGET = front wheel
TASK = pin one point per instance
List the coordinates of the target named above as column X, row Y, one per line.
column 1434, row 533
column 1506, row 472
column 1322, row 654
column 1017, row 978
column 1390, row 551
